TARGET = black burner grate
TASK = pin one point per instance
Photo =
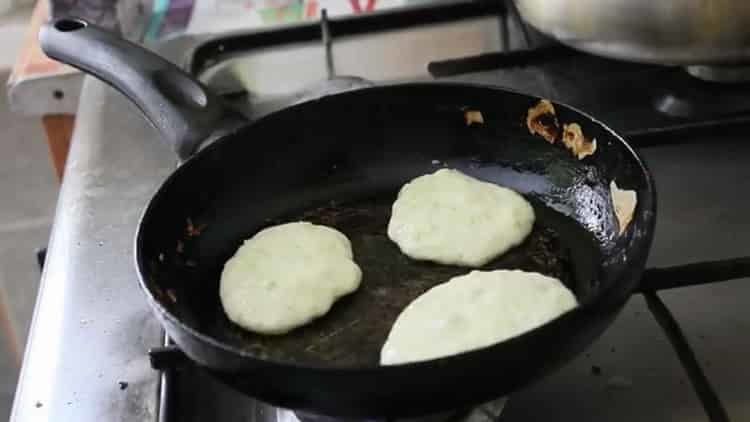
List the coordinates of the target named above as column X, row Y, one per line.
column 169, row 358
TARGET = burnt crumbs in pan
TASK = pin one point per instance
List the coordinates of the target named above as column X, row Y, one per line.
column 541, row 120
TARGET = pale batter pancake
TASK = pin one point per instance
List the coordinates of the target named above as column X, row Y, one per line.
column 285, row 276
column 472, row 311
column 451, row 218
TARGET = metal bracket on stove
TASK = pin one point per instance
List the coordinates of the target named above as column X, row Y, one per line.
column 167, row 357
column 655, row 279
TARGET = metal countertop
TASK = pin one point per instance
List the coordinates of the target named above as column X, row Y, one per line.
column 91, row 327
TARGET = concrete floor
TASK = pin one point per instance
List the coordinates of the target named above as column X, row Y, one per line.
column 28, row 191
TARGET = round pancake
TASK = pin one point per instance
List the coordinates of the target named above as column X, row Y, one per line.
column 472, row 311
column 451, row 218
column 287, row 275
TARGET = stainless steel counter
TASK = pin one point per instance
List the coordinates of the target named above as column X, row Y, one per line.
column 91, row 327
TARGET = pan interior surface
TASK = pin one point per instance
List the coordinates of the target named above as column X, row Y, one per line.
column 340, row 161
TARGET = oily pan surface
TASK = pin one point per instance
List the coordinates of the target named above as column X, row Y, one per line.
column 354, row 330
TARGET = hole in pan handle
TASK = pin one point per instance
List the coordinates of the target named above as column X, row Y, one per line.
column 184, row 111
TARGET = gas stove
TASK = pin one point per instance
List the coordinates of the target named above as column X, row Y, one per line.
column 673, row 355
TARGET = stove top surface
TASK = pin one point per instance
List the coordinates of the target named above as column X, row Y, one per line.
column 632, row 371
column 92, row 328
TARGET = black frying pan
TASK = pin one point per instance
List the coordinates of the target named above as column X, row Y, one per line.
column 339, row 160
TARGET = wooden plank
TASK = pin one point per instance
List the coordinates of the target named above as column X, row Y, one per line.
column 31, row 60
column 59, row 129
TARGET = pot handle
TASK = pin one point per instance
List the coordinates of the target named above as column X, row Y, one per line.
column 183, row 110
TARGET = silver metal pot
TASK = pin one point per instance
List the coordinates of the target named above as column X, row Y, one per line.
column 679, row 32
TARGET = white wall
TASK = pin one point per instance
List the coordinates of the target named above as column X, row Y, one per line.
column 13, row 26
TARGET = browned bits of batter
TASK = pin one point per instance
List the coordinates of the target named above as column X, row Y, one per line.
column 541, row 120
column 158, row 292
column 473, row 116
column 191, row 230
column 575, row 141
column 624, row 202
column 172, row 295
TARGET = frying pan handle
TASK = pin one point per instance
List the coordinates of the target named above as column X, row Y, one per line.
column 181, row 108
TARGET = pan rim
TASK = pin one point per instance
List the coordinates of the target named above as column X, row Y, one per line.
column 633, row 270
